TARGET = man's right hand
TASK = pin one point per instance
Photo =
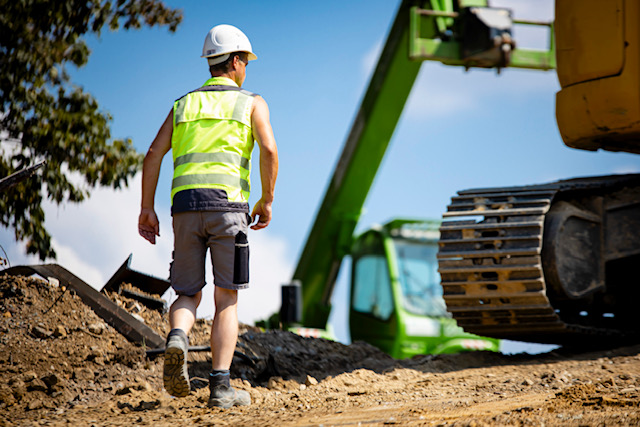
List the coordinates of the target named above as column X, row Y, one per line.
column 148, row 225
column 261, row 212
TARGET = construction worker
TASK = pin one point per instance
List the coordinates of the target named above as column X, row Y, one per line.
column 211, row 131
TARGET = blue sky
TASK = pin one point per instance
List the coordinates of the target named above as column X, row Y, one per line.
column 459, row 130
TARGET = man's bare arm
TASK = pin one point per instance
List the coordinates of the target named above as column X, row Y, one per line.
column 148, row 224
column 263, row 133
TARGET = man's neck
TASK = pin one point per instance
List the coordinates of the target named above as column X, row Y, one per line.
column 231, row 76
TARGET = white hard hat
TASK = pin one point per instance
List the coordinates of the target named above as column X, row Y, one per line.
column 223, row 39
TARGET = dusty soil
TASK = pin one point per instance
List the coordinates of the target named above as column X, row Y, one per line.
column 60, row 364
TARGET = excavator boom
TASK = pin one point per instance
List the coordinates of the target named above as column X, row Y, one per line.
column 331, row 235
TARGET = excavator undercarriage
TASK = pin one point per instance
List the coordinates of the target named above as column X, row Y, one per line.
column 552, row 263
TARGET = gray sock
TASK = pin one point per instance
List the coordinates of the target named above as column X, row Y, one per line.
column 221, row 377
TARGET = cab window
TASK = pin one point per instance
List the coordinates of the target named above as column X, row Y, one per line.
column 372, row 288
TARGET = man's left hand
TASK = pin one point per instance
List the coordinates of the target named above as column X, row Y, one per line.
column 148, row 225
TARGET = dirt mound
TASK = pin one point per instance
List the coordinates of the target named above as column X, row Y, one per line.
column 55, row 351
column 61, row 364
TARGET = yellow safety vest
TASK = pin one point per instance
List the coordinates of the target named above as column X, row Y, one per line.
column 212, row 140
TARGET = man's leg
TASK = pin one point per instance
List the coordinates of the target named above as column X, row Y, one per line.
column 230, row 258
column 224, row 335
column 224, row 331
column 182, row 316
column 187, row 280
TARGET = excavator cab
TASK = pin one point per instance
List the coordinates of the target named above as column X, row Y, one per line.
column 396, row 298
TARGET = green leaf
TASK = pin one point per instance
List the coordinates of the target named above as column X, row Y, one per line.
column 42, row 115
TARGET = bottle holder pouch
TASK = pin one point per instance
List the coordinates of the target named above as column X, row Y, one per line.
column 241, row 260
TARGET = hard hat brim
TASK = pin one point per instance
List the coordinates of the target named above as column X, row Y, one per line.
column 251, row 56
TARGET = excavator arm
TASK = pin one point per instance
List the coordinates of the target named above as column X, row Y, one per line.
column 463, row 33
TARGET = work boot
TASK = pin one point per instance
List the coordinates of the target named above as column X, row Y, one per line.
column 176, row 375
column 225, row 397
column 222, row 395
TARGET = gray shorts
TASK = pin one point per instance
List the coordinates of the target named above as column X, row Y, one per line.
column 225, row 234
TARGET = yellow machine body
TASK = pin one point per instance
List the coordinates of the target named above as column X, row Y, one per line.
column 598, row 106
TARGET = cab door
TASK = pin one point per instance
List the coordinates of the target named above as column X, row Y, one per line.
column 372, row 315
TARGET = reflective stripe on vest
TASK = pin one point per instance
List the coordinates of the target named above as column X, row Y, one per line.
column 212, row 139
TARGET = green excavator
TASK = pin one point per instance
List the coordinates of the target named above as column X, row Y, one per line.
column 545, row 263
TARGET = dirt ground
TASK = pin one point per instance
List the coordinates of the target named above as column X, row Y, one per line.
column 60, row 364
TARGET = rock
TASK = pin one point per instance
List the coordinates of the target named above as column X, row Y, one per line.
column 40, row 332
column 51, row 380
column 564, row 377
column 275, row 383
column 527, row 382
column 145, row 406
column 60, row 331
column 37, row 385
column 83, row 374
column 140, row 385
column 35, row 404
column 124, row 390
column 29, row 376
column 125, row 407
column 310, row 381
column 6, row 396
column 143, row 385
column 18, row 388
column 97, row 328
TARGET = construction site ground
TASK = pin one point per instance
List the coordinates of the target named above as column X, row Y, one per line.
column 60, row 364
